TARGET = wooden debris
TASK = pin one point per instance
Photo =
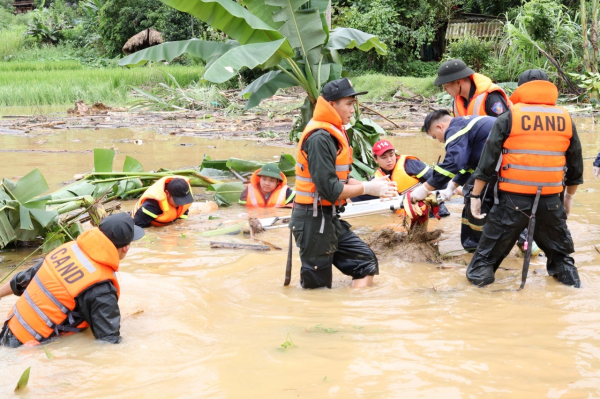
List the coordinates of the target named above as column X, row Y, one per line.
column 230, row 245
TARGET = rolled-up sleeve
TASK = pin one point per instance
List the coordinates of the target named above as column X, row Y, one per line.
column 321, row 152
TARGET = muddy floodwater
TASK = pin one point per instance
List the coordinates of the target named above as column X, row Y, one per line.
column 210, row 323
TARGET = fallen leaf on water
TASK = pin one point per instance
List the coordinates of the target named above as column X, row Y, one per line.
column 48, row 354
column 23, row 380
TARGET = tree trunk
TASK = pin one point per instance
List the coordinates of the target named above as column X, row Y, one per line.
column 594, row 37
column 586, row 43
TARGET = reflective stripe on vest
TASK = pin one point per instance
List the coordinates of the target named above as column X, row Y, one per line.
column 534, row 153
column 463, row 131
column 48, row 301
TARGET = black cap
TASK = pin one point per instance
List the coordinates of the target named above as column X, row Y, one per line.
column 531, row 75
column 452, row 70
column 120, row 230
column 180, row 191
column 340, row 88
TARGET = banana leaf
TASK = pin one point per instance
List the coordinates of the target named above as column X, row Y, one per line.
column 349, row 38
column 303, row 28
column 233, row 19
column 226, row 194
column 24, row 192
column 206, row 50
column 103, row 160
column 266, row 86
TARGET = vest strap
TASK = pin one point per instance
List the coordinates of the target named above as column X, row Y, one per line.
column 300, row 166
column 535, row 152
column 37, row 310
column 534, row 168
column 27, row 327
column 147, row 212
column 463, row 131
column 530, row 183
column 58, row 304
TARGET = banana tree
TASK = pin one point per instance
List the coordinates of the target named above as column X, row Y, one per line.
column 289, row 39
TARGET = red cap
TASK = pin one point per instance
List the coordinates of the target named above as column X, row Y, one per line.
column 382, row 146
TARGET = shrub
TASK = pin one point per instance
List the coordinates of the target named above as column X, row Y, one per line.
column 475, row 52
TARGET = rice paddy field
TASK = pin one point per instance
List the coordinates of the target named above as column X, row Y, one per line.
column 64, row 82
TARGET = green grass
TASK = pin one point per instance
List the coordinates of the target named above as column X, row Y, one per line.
column 36, row 66
column 11, row 41
column 383, row 88
column 47, row 86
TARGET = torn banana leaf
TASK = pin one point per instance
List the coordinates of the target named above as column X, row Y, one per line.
column 286, row 164
column 226, row 194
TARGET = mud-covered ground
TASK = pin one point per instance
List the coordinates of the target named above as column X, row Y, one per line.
column 270, row 123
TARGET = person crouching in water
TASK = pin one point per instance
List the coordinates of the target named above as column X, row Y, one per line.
column 73, row 288
column 406, row 170
column 164, row 202
column 268, row 188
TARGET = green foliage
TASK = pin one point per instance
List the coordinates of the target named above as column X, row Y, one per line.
column 487, row 7
column 404, row 26
column 171, row 96
column 24, row 380
column 590, row 81
column 288, row 344
column 176, row 25
column 541, row 26
column 475, row 52
column 121, row 19
column 110, row 85
column 11, row 41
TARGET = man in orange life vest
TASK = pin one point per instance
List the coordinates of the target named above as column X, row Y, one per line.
column 268, row 188
column 323, row 184
column 474, row 94
column 536, row 151
column 73, row 288
column 163, row 202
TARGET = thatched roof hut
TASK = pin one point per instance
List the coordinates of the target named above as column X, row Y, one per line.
column 146, row 38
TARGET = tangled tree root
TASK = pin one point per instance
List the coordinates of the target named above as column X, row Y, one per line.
column 418, row 245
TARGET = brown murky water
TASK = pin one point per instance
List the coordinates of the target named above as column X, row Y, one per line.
column 213, row 320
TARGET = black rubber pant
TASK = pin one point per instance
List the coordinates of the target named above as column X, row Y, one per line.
column 336, row 245
column 504, row 224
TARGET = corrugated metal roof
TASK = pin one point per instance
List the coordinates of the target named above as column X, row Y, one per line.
column 458, row 29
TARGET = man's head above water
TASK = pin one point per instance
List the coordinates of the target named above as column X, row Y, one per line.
column 341, row 96
column 436, row 123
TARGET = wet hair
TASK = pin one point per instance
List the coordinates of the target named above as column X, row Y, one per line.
column 433, row 117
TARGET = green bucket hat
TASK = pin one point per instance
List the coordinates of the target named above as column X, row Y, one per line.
column 270, row 170
column 452, row 70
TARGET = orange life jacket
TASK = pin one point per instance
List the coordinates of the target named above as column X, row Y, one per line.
column 325, row 117
column 157, row 193
column 534, row 153
column 404, row 181
column 66, row 272
column 277, row 197
column 483, row 87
